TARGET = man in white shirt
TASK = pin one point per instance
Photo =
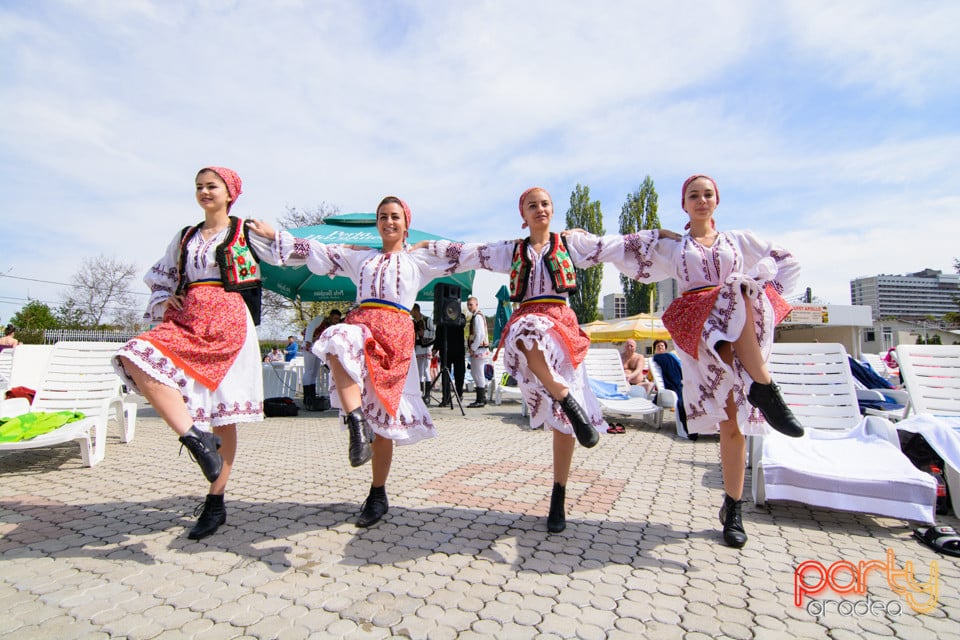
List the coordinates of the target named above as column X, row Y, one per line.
column 479, row 346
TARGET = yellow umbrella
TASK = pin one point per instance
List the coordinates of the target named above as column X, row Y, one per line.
column 596, row 325
column 642, row 326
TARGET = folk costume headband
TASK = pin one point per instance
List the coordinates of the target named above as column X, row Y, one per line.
column 231, row 179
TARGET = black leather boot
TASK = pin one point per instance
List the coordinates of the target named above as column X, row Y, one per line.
column 767, row 398
column 203, row 447
column 212, row 514
column 360, row 438
column 557, row 519
column 587, row 436
column 481, row 400
column 374, row 507
column 733, row 533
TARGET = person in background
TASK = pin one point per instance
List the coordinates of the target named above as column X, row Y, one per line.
column 200, row 367
column 478, row 343
column 8, row 341
column 672, row 372
column 425, row 334
column 274, row 355
column 334, row 317
column 292, row 349
column 635, row 366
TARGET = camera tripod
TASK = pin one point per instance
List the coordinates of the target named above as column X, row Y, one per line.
column 445, row 375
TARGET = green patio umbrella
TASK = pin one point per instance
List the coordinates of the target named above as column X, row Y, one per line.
column 504, row 311
column 348, row 228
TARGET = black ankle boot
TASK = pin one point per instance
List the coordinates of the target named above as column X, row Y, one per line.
column 481, row 400
column 733, row 533
column 767, row 398
column 212, row 514
column 557, row 520
column 374, row 507
column 360, row 438
column 587, row 436
column 203, row 447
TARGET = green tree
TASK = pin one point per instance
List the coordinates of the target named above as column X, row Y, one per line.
column 639, row 213
column 584, row 214
column 31, row 320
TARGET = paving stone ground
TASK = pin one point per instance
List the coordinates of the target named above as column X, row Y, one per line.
column 462, row 553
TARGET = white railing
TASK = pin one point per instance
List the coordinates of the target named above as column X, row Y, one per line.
column 52, row 336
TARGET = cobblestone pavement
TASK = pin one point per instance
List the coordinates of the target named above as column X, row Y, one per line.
column 463, row 552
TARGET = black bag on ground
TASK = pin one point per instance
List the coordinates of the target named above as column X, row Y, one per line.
column 279, row 408
column 923, row 457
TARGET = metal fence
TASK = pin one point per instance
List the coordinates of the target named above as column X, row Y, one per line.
column 51, row 336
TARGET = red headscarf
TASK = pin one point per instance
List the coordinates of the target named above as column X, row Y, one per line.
column 524, row 195
column 231, row 179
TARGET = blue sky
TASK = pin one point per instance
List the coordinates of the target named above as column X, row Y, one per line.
column 830, row 127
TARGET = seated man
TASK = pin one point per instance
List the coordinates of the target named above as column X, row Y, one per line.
column 635, row 366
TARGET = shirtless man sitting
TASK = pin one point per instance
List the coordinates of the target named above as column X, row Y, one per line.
column 635, row 366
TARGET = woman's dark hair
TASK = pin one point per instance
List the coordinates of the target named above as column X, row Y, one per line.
column 9, row 330
column 658, row 341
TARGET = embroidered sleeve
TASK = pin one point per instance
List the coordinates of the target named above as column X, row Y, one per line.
column 323, row 259
column 161, row 279
column 460, row 256
column 642, row 256
column 767, row 262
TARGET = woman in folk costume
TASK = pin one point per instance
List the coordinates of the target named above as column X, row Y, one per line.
column 200, row 367
column 722, row 325
column 371, row 353
column 543, row 344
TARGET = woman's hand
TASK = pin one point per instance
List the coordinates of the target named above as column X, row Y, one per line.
column 174, row 302
column 567, row 232
column 423, row 244
column 262, row 228
column 669, row 235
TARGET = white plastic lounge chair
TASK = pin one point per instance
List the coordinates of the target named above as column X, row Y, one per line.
column 843, row 461
column 501, row 391
column 80, row 377
column 604, row 364
column 931, row 374
column 666, row 399
column 877, row 363
column 6, row 366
